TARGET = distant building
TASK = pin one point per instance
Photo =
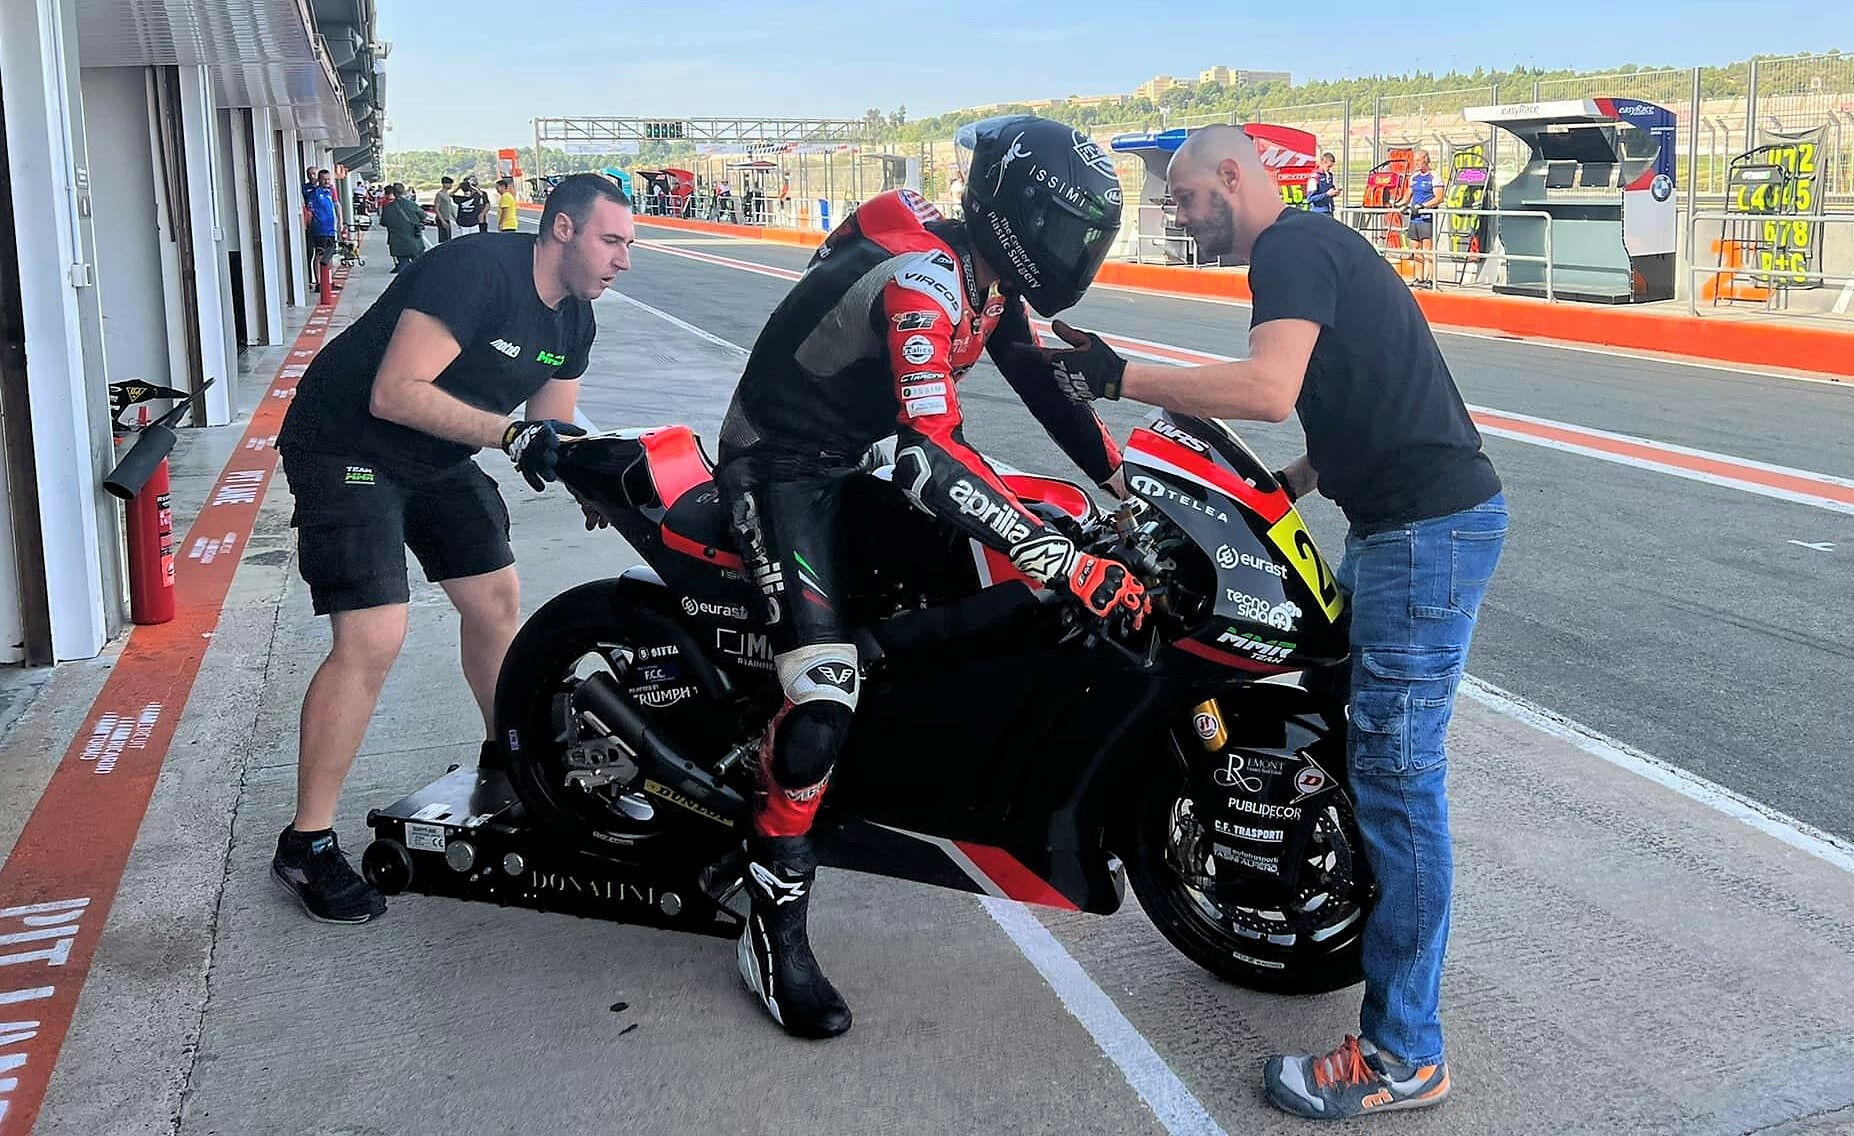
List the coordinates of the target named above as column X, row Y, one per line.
column 1156, row 86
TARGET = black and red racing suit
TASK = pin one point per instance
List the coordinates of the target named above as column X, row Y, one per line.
column 870, row 343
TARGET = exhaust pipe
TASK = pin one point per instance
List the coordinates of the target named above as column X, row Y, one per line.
column 599, row 697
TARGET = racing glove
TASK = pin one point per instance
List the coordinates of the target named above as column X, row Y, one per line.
column 534, row 447
column 1085, row 370
column 1101, row 585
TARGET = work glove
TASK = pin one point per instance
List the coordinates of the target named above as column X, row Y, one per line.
column 1085, row 370
column 534, row 447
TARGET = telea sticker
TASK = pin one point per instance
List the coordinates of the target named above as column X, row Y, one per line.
column 1206, row 725
column 425, row 837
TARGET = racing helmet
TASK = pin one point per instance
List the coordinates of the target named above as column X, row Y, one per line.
column 1042, row 204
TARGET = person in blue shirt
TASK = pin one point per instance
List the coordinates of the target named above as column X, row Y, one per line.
column 319, row 201
column 1420, row 197
column 1325, row 190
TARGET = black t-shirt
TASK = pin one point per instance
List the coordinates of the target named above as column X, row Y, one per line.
column 1386, row 427
column 482, row 288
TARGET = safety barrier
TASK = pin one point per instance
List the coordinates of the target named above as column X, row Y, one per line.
column 1402, row 255
column 1773, row 282
column 1762, row 343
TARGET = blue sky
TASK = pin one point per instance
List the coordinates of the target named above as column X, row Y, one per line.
column 462, row 74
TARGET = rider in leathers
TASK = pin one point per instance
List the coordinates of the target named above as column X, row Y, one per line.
column 891, row 312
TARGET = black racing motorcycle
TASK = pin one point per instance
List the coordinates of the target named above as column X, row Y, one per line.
column 1006, row 743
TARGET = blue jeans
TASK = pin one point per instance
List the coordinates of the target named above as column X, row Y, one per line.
column 1414, row 592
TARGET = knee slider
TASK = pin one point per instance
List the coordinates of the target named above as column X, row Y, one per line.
column 807, row 743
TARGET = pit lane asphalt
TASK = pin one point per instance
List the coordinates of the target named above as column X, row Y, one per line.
column 1673, row 615
column 1624, row 960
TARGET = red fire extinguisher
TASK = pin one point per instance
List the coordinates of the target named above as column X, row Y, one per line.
column 141, row 479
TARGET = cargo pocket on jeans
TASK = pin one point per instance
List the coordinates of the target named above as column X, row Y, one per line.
column 1400, row 708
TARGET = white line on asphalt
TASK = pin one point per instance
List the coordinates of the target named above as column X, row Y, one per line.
column 1804, row 837
column 1673, row 470
column 1788, row 829
column 699, row 333
column 1736, row 370
column 1174, row 1105
column 1177, row 356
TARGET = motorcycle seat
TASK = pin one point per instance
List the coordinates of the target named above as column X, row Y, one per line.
column 699, row 517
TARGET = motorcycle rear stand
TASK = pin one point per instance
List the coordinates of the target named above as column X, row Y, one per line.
column 467, row 836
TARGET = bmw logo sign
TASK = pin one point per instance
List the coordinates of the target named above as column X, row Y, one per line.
column 1662, row 187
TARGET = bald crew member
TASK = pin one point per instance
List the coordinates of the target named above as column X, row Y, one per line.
column 1336, row 336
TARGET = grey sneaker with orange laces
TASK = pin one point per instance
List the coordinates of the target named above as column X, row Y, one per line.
column 1354, row 1079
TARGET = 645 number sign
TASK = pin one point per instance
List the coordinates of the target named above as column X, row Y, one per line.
column 1774, row 185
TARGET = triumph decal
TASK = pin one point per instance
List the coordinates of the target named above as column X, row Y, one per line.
column 661, row 699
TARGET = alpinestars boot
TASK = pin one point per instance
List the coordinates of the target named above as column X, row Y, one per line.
column 774, row 952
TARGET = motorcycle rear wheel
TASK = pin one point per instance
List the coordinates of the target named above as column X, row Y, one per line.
column 585, row 628
column 1323, row 953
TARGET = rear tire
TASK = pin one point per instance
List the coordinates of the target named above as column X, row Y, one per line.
column 585, row 625
column 1321, row 958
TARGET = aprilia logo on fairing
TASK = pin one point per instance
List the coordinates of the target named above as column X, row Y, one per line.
column 994, row 515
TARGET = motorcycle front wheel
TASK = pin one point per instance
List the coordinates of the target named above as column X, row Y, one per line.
column 1310, row 943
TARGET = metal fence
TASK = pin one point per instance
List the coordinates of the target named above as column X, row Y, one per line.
column 1431, row 120
column 1803, row 92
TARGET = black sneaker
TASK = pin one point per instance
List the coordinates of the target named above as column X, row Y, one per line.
column 313, row 868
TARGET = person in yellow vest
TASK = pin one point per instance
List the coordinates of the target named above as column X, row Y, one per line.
column 505, row 206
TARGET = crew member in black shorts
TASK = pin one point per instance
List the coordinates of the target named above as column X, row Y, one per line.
column 377, row 449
